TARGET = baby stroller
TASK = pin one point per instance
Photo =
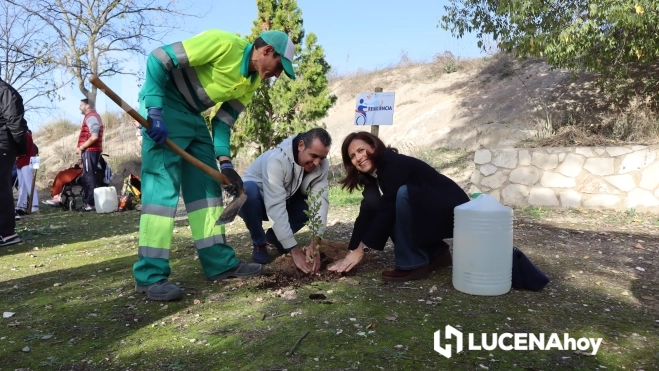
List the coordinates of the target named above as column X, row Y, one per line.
column 75, row 189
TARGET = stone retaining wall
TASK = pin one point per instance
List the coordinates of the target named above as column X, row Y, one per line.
column 590, row 177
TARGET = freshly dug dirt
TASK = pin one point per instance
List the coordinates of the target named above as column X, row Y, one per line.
column 282, row 272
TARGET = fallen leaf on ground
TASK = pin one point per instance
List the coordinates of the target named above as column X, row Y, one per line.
column 164, row 307
column 370, row 325
column 648, row 298
column 7, row 314
column 197, row 301
column 639, row 246
column 392, row 318
column 598, row 283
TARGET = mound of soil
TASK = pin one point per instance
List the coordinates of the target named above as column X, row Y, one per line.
column 282, row 272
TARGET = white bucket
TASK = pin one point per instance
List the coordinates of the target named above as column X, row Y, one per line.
column 106, row 199
column 483, row 247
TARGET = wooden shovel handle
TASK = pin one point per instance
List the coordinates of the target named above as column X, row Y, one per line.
column 97, row 82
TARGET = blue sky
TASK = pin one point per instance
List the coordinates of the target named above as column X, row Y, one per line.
column 354, row 35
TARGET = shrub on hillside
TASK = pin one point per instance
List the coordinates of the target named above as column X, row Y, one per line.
column 56, row 129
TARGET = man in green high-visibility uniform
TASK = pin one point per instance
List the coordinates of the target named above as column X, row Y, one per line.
column 182, row 80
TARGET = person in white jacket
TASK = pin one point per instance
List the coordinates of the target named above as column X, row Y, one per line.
column 276, row 186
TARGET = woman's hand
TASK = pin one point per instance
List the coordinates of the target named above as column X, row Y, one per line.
column 350, row 261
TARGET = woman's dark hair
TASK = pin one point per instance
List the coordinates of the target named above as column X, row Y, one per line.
column 353, row 177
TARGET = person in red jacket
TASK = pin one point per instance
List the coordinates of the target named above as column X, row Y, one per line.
column 25, row 178
column 90, row 146
column 63, row 178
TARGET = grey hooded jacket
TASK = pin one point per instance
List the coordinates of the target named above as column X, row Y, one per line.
column 279, row 176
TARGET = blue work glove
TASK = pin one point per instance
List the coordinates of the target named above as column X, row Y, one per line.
column 158, row 131
column 236, row 182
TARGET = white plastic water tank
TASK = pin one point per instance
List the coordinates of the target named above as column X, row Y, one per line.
column 483, row 247
column 106, row 199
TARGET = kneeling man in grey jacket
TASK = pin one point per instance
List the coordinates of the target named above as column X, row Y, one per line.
column 276, row 185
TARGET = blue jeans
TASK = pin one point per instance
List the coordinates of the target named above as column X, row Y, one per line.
column 407, row 254
column 254, row 214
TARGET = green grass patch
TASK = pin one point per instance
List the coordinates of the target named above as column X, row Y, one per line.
column 340, row 197
column 71, row 288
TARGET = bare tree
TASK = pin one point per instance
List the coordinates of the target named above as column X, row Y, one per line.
column 26, row 57
column 98, row 35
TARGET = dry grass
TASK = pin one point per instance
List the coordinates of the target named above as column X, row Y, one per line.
column 56, row 129
column 403, row 71
column 637, row 123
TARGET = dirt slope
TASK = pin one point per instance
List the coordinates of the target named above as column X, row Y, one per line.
column 491, row 103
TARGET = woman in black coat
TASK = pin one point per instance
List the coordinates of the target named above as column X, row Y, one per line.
column 405, row 199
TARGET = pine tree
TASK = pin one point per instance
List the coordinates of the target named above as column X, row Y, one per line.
column 284, row 107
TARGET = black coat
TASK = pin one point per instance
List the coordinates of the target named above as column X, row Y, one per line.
column 12, row 124
column 433, row 197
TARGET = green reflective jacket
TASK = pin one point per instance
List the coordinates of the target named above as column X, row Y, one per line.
column 207, row 69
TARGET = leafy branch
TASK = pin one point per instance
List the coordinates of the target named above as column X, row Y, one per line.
column 314, row 222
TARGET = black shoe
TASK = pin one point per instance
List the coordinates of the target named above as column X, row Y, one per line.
column 260, row 254
column 162, row 290
column 20, row 212
column 242, row 270
column 271, row 238
column 10, row 240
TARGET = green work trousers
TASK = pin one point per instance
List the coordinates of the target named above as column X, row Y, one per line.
column 164, row 173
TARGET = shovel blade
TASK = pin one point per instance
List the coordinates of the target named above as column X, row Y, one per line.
column 231, row 210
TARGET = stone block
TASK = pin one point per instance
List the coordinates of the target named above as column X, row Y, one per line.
column 637, row 160
column 524, row 158
column 622, row 182
column 482, row 156
column 600, row 151
column 601, row 201
column 505, row 158
column 558, row 150
column 593, row 184
column 600, row 166
column 650, row 177
column 544, row 160
column 528, row 175
column 570, row 198
column 571, row 166
column 638, row 148
column 585, row 151
column 640, row 197
column 488, row 169
column 561, row 157
column 515, row 194
column 476, row 177
column 543, row 197
column 554, row 180
column 494, row 181
column 496, row 194
column 617, row 151
column 473, row 189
